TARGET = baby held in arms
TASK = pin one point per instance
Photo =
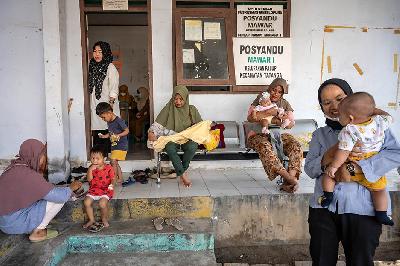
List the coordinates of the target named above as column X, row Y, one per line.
column 266, row 104
column 364, row 125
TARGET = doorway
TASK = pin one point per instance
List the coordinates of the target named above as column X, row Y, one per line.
column 128, row 35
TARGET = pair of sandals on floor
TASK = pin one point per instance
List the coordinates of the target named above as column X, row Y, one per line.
column 174, row 222
column 140, row 176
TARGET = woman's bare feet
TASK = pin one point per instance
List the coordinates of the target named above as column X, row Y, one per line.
column 88, row 224
column 294, row 174
column 185, row 180
column 290, row 186
column 38, row 234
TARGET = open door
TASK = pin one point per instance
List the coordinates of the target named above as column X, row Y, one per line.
column 129, row 35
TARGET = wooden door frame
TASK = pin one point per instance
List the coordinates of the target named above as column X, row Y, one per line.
column 84, row 10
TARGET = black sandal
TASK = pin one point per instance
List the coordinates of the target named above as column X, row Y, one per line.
column 96, row 227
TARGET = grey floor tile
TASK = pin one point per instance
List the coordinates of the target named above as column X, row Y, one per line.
column 252, row 191
column 223, row 192
column 246, row 184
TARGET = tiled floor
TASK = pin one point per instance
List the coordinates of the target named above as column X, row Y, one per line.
column 222, row 182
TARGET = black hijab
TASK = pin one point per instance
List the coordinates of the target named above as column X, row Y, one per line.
column 335, row 125
column 98, row 70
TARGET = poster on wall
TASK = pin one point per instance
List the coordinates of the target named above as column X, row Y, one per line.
column 258, row 61
column 212, row 31
column 259, row 21
column 193, row 30
column 115, row 4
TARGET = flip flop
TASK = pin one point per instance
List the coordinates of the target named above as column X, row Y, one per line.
column 128, row 182
column 96, row 227
column 175, row 223
column 49, row 235
column 158, row 223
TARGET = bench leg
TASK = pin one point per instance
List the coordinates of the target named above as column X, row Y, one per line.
column 158, row 168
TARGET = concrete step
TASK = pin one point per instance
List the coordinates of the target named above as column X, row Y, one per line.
column 174, row 258
column 121, row 237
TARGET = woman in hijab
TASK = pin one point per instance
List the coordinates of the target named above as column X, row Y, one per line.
column 350, row 217
column 262, row 144
column 143, row 114
column 103, row 83
column 28, row 201
column 176, row 116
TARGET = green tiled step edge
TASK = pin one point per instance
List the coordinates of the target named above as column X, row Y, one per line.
column 132, row 243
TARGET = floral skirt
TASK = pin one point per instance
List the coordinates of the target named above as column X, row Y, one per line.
column 270, row 161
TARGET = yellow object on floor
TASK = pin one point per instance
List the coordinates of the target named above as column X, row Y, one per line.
column 199, row 133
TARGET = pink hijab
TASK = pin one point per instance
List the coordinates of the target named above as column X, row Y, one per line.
column 21, row 184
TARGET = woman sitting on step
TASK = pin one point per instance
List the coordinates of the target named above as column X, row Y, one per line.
column 175, row 117
column 28, row 201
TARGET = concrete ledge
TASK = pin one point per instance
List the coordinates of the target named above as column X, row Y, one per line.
column 137, row 209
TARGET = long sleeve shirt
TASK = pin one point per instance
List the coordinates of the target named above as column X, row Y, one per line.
column 109, row 90
column 25, row 220
column 350, row 197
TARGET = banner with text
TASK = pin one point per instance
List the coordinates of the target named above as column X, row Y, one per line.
column 258, row 61
column 259, row 21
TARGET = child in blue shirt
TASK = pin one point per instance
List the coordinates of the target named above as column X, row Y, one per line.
column 118, row 134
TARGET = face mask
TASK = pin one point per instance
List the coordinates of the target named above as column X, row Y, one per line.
column 331, row 118
column 123, row 93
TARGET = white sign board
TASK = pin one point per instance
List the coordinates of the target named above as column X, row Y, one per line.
column 259, row 21
column 115, row 4
column 258, row 61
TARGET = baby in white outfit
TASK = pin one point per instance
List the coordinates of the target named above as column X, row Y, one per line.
column 266, row 104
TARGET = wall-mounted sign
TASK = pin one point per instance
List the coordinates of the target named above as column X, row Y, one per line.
column 259, row 21
column 115, row 4
column 258, row 61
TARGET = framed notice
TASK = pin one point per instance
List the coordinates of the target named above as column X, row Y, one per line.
column 258, row 61
column 115, row 4
column 259, row 21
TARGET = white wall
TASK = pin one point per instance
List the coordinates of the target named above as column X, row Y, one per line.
column 74, row 84
column 307, row 23
column 22, row 100
column 132, row 42
column 161, row 24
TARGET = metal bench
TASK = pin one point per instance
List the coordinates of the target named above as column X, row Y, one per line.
column 232, row 145
column 302, row 131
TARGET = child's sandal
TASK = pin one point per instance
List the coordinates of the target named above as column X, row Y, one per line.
column 96, row 227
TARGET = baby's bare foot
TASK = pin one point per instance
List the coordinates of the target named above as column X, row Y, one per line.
column 86, row 225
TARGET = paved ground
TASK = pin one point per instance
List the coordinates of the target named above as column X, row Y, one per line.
column 176, row 258
column 222, row 182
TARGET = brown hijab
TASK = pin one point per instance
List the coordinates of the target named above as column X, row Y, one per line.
column 21, row 184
